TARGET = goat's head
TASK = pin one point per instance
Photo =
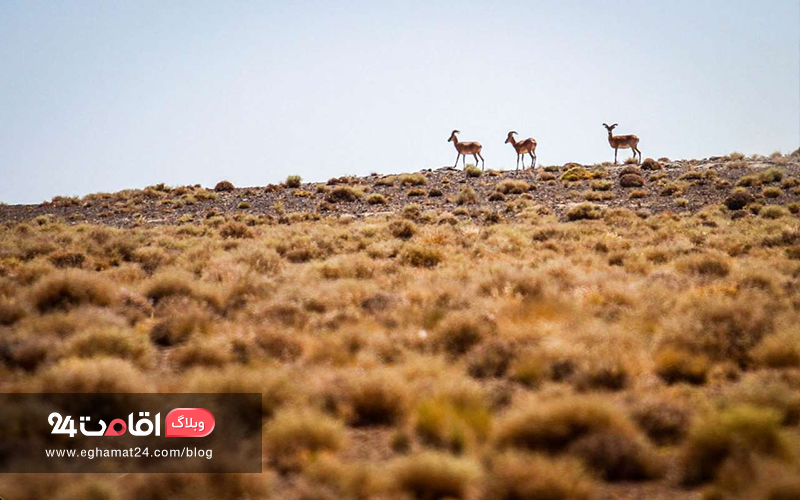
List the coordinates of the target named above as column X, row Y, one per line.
column 453, row 137
column 510, row 136
column 610, row 127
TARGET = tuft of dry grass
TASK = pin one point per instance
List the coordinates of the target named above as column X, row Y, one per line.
column 224, row 187
column 519, row 476
column 585, row 211
column 294, row 437
column 729, row 436
column 676, row 365
column 68, row 289
column 433, row 475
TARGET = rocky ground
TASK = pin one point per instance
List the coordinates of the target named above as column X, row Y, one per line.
column 677, row 186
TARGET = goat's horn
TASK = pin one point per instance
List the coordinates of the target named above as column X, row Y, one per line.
column 605, row 124
column 456, row 131
column 615, row 125
column 512, row 132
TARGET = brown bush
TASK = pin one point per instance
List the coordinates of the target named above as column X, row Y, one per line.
column 554, row 425
column 433, row 475
column 618, row 456
column 732, row 434
column 224, row 187
column 663, row 421
column 458, row 334
column 403, row 229
column 67, row 289
column 296, row 435
column 518, row 476
column 631, row 181
column 675, row 365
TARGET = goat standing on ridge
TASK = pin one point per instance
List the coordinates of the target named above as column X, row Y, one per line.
column 524, row 146
column 466, row 148
column 622, row 142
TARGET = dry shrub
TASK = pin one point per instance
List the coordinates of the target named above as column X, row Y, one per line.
column 261, row 260
column 512, row 187
column 293, row 181
column 554, row 425
column 677, row 365
column 773, row 212
column 210, row 353
column 434, row 476
column 281, row 346
column 112, row 342
column 467, row 196
column 605, row 371
column 453, row 419
column 376, row 199
column 182, row 320
column 575, row 174
column 342, row 194
column 727, row 438
column 403, row 229
column 708, row 265
column 353, row 266
column 412, row 180
column 376, row 398
column 530, row 368
column 631, row 181
column 333, row 479
column 618, row 457
column 173, row 283
column 103, row 375
column 518, row 476
column 460, row 333
column 11, row 311
column 150, row 258
column 738, row 199
column 585, row 211
column 663, row 421
column 224, row 187
column 781, row 350
column 234, row 229
column 67, row 289
column 491, row 359
column 64, row 259
column 587, row 428
column 421, row 255
column 473, row 171
column 651, row 164
column 722, row 327
column 295, row 436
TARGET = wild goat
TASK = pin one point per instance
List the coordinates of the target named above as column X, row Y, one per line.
column 622, row 142
column 466, row 148
column 524, row 146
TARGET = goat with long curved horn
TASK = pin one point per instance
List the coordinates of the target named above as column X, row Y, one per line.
column 465, row 148
column 522, row 147
column 622, row 142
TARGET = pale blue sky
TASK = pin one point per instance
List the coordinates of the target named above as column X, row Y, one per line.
column 105, row 95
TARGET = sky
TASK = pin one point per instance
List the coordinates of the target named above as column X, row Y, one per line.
column 103, row 95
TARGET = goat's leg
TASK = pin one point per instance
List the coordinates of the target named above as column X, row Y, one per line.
column 533, row 159
column 483, row 162
column 464, row 161
column 457, row 157
column 476, row 159
column 615, row 156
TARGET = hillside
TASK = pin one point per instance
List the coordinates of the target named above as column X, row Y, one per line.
column 435, row 335
column 676, row 186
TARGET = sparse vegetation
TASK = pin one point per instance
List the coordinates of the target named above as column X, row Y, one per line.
column 495, row 338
